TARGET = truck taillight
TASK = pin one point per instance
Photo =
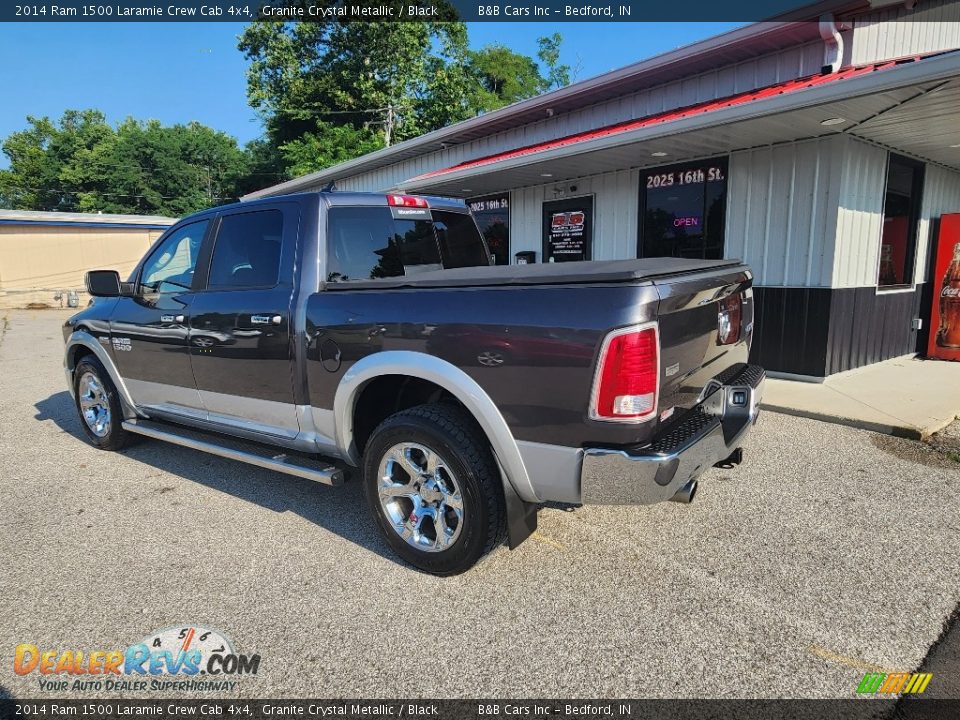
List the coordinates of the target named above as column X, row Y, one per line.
column 406, row 201
column 728, row 319
column 628, row 375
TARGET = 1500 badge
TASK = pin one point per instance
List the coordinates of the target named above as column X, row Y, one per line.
column 122, row 344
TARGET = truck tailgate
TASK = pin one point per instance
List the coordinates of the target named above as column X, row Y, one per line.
column 691, row 355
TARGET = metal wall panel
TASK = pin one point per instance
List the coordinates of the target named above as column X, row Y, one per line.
column 941, row 194
column 867, row 327
column 775, row 67
column 931, row 26
column 860, row 214
column 616, row 202
column 791, row 329
column 781, row 211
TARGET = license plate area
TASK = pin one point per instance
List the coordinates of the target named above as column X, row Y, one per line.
column 733, row 402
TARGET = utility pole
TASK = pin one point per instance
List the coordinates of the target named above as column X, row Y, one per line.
column 209, row 183
column 388, row 125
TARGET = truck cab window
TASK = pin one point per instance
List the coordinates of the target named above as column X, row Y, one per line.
column 247, row 251
column 361, row 245
column 171, row 266
column 417, row 244
column 461, row 244
column 367, row 243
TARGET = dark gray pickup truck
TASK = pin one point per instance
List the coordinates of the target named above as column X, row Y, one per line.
column 329, row 334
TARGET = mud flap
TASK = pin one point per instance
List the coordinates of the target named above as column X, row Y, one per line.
column 521, row 515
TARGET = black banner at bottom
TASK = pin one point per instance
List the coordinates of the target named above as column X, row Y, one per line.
column 216, row 709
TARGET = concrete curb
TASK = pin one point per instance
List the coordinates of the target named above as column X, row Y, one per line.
column 909, row 432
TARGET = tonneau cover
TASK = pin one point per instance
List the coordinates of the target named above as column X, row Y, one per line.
column 588, row 271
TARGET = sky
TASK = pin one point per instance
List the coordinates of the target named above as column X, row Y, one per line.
column 177, row 72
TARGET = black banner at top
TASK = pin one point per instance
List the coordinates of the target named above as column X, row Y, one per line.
column 405, row 10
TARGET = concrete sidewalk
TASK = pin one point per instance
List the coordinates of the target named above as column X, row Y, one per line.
column 907, row 397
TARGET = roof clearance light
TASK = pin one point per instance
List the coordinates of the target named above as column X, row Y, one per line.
column 406, row 201
column 659, row 153
column 832, row 121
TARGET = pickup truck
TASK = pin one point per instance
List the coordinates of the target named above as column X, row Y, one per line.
column 333, row 334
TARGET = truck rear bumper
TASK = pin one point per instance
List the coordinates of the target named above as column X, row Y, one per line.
column 709, row 433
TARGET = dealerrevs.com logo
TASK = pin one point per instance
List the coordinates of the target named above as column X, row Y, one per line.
column 182, row 658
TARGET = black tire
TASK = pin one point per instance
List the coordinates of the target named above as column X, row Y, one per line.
column 452, row 434
column 114, row 437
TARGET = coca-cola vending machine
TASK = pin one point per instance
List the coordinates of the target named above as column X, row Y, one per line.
column 945, row 314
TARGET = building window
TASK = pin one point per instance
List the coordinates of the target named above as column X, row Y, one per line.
column 682, row 210
column 901, row 213
column 493, row 218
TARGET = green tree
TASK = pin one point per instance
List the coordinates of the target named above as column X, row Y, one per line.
column 304, row 76
column 328, row 145
column 81, row 163
column 558, row 75
column 330, row 91
column 48, row 159
column 501, row 76
column 265, row 166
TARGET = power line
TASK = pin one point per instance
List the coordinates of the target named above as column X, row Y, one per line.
column 311, row 111
column 94, row 163
column 58, row 191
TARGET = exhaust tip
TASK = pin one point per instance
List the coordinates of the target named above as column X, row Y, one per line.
column 687, row 493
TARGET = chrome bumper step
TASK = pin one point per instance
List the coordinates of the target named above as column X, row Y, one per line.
column 234, row 449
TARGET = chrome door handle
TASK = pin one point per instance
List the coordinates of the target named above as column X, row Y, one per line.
column 266, row 319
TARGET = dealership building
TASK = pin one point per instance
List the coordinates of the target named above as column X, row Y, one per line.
column 822, row 152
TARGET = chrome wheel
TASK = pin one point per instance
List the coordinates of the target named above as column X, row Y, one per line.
column 420, row 496
column 94, row 404
column 490, row 358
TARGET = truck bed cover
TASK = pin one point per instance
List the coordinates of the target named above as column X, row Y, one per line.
column 589, row 271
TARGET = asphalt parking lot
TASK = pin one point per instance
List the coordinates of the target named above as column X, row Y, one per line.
column 829, row 552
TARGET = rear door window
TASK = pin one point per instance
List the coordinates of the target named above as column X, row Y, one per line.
column 366, row 243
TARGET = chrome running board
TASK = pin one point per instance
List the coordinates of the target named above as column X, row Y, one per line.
column 263, row 456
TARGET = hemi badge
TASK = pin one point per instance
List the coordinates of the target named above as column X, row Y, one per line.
column 672, row 369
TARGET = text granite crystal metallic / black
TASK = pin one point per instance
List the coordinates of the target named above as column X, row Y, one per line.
column 334, row 335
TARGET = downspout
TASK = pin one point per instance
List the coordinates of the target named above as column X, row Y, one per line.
column 833, row 44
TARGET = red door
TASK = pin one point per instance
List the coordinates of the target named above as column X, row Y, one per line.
column 945, row 315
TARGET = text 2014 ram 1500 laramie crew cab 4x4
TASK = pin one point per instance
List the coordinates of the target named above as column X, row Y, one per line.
column 322, row 333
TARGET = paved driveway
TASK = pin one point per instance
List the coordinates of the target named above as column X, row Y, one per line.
column 830, row 552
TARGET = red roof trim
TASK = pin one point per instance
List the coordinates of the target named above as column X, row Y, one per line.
column 700, row 108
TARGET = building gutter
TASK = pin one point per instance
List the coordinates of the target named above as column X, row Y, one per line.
column 940, row 67
column 744, row 36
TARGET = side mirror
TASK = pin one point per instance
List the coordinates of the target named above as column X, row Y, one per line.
column 103, row 283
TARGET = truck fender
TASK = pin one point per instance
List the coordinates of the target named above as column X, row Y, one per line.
column 521, row 498
column 82, row 337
